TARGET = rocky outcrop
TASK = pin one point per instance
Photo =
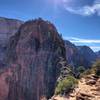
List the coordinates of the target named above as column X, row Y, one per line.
column 33, row 57
column 8, row 27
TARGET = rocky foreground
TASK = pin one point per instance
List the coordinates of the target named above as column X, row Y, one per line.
column 88, row 89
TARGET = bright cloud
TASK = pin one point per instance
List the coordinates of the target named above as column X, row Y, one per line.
column 92, row 43
column 79, row 40
column 86, row 10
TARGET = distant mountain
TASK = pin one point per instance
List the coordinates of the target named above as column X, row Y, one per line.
column 8, row 27
column 98, row 54
column 79, row 55
column 88, row 55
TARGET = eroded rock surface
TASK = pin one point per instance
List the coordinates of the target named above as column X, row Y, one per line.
column 8, row 27
column 33, row 62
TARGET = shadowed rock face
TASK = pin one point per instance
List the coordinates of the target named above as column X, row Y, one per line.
column 79, row 55
column 33, row 62
column 88, row 54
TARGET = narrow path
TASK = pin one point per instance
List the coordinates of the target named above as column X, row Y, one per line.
column 85, row 90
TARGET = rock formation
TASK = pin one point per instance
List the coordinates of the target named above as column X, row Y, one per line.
column 33, row 56
column 8, row 27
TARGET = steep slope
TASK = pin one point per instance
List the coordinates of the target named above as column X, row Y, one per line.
column 79, row 55
column 33, row 57
column 8, row 27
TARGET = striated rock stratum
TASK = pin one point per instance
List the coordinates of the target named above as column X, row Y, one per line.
column 33, row 57
column 8, row 27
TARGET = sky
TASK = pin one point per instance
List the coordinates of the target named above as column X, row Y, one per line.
column 77, row 20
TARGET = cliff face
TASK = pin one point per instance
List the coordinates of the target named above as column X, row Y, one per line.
column 72, row 54
column 79, row 55
column 8, row 27
column 33, row 57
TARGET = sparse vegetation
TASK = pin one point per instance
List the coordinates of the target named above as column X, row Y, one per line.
column 81, row 69
column 66, row 85
column 87, row 72
column 96, row 68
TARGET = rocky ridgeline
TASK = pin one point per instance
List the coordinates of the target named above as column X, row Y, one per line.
column 76, row 56
column 33, row 57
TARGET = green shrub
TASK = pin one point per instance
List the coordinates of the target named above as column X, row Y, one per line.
column 80, row 69
column 96, row 67
column 66, row 85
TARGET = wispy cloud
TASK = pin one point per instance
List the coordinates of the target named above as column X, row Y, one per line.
column 86, row 10
column 94, row 44
column 80, row 40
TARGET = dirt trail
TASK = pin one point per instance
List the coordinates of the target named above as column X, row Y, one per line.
column 88, row 89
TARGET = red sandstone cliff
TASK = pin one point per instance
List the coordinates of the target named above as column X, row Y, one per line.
column 33, row 62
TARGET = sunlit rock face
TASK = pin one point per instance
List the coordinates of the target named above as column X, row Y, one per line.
column 33, row 62
column 8, row 27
